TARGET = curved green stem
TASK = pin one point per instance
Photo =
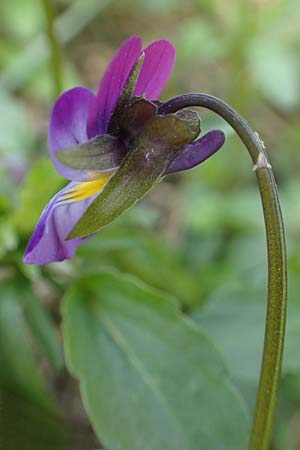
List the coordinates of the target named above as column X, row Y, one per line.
column 55, row 47
column 277, row 278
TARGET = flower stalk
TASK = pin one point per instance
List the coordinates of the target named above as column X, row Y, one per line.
column 277, row 278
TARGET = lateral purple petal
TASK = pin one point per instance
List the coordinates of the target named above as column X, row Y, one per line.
column 68, row 127
column 197, row 152
column 111, row 86
column 156, row 70
column 47, row 243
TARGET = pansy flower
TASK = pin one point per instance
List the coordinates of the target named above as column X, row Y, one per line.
column 113, row 146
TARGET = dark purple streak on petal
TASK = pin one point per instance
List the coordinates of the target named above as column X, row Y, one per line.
column 47, row 243
column 156, row 70
column 67, row 127
column 112, row 85
column 197, row 152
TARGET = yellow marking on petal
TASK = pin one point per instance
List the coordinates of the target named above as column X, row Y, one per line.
column 86, row 189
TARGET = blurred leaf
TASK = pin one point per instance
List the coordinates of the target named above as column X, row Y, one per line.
column 8, row 237
column 41, row 184
column 14, row 135
column 146, row 256
column 23, row 22
column 156, row 6
column 207, row 210
column 252, row 270
column 216, row 123
column 286, row 428
column 276, row 71
column 4, row 204
column 18, row 367
column 236, row 321
column 36, row 53
column 291, row 212
column 40, row 85
column 146, row 371
column 26, row 425
column 198, row 41
column 43, row 329
column 37, row 319
column 29, row 418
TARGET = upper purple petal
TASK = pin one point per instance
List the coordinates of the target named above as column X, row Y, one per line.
column 156, row 70
column 47, row 243
column 68, row 127
column 112, row 85
column 197, row 152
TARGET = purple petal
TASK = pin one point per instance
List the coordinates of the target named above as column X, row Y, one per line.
column 47, row 243
column 156, row 70
column 197, row 152
column 112, row 85
column 68, row 127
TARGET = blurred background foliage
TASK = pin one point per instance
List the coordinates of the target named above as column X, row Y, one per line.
column 198, row 236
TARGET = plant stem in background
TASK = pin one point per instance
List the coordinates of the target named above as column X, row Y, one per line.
column 34, row 55
column 277, row 277
column 55, row 48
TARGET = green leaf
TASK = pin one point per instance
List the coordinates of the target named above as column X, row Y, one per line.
column 150, row 154
column 36, row 53
column 14, row 140
column 42, row 328
column 276, row 71
column 139, row 253
column 146, row 371
column 8, row 237
column 29, row 418
column 25, row 425
column 197, row 41
column 17, row 363
column 236, row 322
column 286, row 431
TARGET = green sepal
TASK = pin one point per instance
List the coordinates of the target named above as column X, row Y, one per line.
column 101, row 153
column 193, row 118
column 150, row 154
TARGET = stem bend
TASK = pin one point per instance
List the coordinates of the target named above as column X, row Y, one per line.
column 277, row 277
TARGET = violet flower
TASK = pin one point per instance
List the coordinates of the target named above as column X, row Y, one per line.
column 95, row 141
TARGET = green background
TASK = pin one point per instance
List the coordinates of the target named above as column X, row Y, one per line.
column 198, row 237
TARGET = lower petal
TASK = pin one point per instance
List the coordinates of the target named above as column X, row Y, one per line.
column 47, row 243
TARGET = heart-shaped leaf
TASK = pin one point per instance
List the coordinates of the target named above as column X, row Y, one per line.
column 149, row 378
